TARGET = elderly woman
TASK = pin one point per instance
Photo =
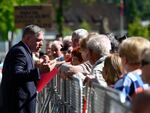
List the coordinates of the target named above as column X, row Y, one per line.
column 68, row 69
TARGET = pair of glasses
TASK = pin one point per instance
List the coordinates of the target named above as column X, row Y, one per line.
column 68, row 51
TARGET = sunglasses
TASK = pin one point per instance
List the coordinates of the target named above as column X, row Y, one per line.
column 68, row 51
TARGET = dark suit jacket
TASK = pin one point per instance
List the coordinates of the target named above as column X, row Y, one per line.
column 18, row 81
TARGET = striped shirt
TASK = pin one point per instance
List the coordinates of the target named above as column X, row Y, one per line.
column 129, row 84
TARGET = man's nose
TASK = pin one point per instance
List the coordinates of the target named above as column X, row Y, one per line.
column 41, row 43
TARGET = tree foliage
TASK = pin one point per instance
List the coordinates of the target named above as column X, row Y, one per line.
column 85, row 25
column 136, row 29
column 7, row 15
column 133, row 9
column 67, row 31
column 137, row 8
column 136, row 11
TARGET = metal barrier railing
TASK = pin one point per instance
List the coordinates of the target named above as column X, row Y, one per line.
column 115, row 106
column 76, row 99
column 99, row 99
column 67, row 96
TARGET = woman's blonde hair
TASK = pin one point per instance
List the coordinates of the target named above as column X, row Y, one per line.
column 132, row 47
column 113, row 66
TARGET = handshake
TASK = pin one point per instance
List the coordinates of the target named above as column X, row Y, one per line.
column 45, row 64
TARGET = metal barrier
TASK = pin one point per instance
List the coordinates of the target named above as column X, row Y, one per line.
column 66, row 96
column 49, row 100
column 61, row 96
column 116, row 106
column 99, row 100
column 76, row 94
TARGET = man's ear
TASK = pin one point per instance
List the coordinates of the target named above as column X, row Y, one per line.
column 26, row 39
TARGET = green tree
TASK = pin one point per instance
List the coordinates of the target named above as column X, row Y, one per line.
column 67, row 31
column 59, row 6
column 137, row 8
column 85, row 25
column 145, row 9
column 131, row 10
column 136, row 29
column 7, row 15
column 6, row 18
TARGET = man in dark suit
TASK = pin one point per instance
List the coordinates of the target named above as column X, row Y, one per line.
column 19, row 75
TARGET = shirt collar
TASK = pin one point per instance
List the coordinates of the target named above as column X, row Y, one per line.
column 100, row 60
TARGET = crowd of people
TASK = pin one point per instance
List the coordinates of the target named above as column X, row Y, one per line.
column 101, row 58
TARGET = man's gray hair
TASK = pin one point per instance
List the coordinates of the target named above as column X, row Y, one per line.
column 57, row 43
column 99, row 44
column 32, row 29
column 80, row 33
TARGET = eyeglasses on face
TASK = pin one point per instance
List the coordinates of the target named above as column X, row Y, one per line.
column 68, row 51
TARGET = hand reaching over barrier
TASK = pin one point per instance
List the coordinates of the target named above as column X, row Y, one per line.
column 47, row 70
